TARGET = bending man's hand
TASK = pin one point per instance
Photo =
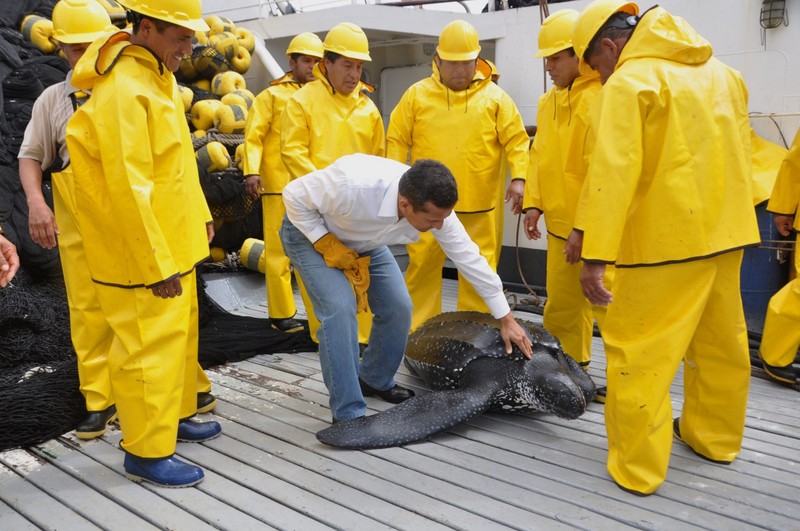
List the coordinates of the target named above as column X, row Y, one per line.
column 512, row 332
column 359, row 278
column 9, row 261
column 592, row 284
column 338, row 256
column 168, row 289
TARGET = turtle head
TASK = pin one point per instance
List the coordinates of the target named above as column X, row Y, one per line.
column 555, row 383
column 556, row 393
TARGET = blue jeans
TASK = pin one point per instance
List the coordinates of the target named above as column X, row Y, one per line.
column 335, row 306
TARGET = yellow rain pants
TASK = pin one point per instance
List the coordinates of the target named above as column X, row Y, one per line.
column 781, row 335
column 148, row 361
column 568, row 315
column 426, row 259
column 645, row 343
column 91, row 335
column 280, row 299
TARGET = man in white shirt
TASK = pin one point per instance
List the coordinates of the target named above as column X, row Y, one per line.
column 339, row 222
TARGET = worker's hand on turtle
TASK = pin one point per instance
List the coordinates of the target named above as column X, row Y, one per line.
column 512, row 332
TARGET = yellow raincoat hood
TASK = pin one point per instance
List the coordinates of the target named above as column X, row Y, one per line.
column 660, row 35
column 670, row 171
column 140, row 207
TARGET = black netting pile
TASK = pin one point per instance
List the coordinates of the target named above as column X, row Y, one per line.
column 24, row 73
column 38, row 373
column 225, row 337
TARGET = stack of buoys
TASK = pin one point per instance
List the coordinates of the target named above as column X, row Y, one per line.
column 219, row 103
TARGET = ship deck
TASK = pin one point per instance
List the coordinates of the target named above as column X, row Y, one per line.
column 268, row 471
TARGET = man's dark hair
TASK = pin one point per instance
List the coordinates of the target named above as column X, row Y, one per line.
column 619, row 25
column 331, row 56
column 429, row 180
column 136, row 18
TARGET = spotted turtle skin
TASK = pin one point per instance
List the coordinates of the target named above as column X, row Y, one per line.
column 462, row 358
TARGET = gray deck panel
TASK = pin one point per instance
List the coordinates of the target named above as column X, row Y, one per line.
column 299, row 438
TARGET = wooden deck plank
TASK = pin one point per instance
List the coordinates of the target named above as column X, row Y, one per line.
column 300, row 435
column 12, row 520
column 189, row 508
column 63, row 481
column 31, row 503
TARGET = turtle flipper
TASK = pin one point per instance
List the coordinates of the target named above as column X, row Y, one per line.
column 421, row 416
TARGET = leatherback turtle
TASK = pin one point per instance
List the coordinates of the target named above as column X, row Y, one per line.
column 462, row 358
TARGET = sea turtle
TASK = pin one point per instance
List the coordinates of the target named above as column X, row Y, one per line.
column 462, row 358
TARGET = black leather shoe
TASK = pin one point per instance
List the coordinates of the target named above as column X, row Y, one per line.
column 600, row 395
column 784, row 375
column 94, row 424
column 395, row 395
column 290, row 326
column 205, row 402
column 676, row 430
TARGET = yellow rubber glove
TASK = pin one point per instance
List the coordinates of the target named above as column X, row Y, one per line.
column 39, row 31
column 335, row 253
column 339, row 256
column 359, row 278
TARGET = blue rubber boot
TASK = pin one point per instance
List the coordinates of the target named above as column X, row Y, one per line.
column 191, row 431
column 167, row 472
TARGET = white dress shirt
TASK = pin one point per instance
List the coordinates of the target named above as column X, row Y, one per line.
column 355, row 198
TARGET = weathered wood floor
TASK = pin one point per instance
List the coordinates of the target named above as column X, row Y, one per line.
column 267, row 470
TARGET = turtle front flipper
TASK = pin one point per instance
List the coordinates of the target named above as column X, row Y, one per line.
column 420, row 417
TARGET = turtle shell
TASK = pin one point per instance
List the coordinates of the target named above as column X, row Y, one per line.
column 443, row 346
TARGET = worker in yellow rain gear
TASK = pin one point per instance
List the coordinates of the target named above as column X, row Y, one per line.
column 331, row 117
column 555, row 177
column 138, row 205
column 781, row 335
column 668, row 199
column 460, row 117
column 76, row 24
column 266, row 175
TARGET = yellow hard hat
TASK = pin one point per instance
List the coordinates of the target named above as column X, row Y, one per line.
column 556, row 32
column 306, row 43
column 348, row 40
column 185, row 13
column 458, row 41
column 592, row 19
column 77, row 21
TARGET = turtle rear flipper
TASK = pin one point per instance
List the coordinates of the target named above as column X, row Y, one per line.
column 420, row 417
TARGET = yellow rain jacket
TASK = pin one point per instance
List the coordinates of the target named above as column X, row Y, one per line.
column 319, row 125
column 466, row 130
column 656, row 194
column 557, row 165
column 786, row 193
column 140, row 208
column 262, row 142
column 767, row 159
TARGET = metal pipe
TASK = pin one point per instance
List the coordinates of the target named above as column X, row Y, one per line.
column 269, row 62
